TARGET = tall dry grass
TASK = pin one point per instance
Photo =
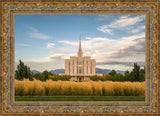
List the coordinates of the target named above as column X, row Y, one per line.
column 68, row 88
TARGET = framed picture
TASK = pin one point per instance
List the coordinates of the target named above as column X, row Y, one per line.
column 79, row 57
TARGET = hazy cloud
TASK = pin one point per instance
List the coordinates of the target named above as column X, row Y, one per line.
column 106, row 52
column 142, row 64
column 24, row 45
column 106, row 49
column 41, row 65
column 57, row 56
column 31, row 28
column 126, row 21
column 123, row 23
column 39, row 35
column 139, row 28
column 52, row 62
column 34, row 33
column 69, row 42
column 132, row 50
column 50, row 45
column 105, row 29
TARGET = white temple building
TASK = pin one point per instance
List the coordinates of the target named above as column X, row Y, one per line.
column 80, row 67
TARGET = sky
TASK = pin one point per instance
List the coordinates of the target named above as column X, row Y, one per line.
column 43, row 42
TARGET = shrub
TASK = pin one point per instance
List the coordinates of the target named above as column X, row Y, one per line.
column 59, row 77
column 68, row 88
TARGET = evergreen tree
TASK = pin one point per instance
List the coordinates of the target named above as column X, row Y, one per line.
column 127, row 76
column 39, row 76
column 22, row 71
column 118, row 77
column 126, row 72
column 135, row 73
column 112, row 73
column 45, row 73
column 142, row 75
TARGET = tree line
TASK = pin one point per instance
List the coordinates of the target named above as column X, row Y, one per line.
column 137, row 74
column 23, row 71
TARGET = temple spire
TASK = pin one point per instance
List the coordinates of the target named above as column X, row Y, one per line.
column 80, row 53
column 80, row 42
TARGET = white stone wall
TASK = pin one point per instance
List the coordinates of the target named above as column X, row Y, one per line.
column 93, row 66
column 67, row 63
column 87, row 66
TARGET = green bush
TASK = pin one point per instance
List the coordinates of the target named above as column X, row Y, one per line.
column 59, row 77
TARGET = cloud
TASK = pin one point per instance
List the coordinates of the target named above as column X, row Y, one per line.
column 102, row 17
column 43, row 64
column 132, row 50
column 105, row 29
column 24, row 45
column 39, row 35
column 137, row 29
column 142, row 64
column 31, row 28
column 73, row 43
column 88, row 38
column 126, row 23
column 43, row 60
column 106, row 17
column 106, row 49
column 107, row 52
column 55, row 61
column 50, row 45
column 34, row 33
column 57, row 56
column 104, row 44
column 47, row 59
column 109, row 45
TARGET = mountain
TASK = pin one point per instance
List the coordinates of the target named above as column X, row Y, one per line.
column 102, row 71
column 57, row 71
column 121, row 72
column 35, row 71
column 98, row 70
column 106, row 71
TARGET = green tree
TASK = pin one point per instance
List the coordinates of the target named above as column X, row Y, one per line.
column 126, row 72
column 39, row 76
column 22, row 71
column 127, row 76
column 59, row 77
column 108, row 77
column 95, row 78
column 112, row 73
column 135, row 73
column 142, row 75
column 118, row 77
column 45, row 73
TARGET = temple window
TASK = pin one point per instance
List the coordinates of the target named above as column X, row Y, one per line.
column 73, row 69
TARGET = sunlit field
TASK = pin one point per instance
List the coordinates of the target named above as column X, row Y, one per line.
column 68, row 88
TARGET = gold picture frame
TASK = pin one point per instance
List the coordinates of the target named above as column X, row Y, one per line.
column 12, row 8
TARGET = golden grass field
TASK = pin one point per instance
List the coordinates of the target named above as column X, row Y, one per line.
column 68, row 88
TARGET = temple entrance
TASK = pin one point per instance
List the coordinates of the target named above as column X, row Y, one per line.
column 80, row 79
